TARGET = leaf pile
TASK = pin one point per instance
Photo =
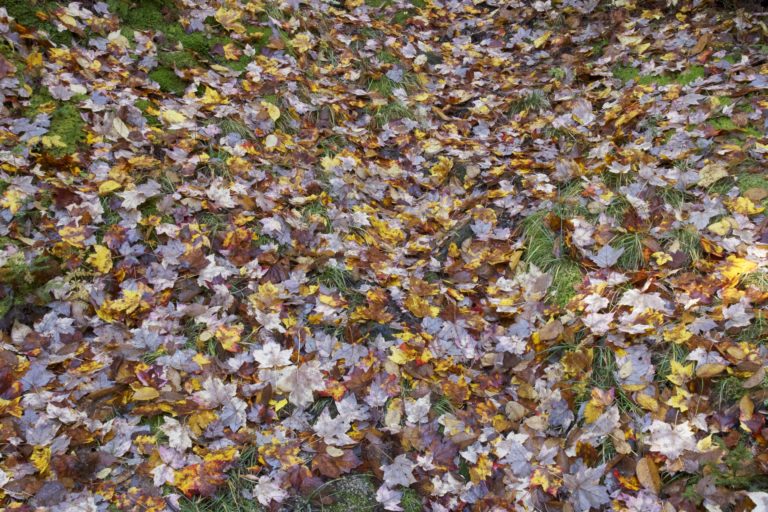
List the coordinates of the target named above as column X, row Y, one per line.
column 497, row 257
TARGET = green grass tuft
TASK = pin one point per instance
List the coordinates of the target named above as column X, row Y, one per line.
column 540, row 251
column 393, row 111
column 534, row 101
column 411, row 501
column 632, row 243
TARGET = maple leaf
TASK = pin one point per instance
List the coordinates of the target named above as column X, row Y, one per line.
column 272, row 355
column 585, row 487
column 301, row 382
column 607, row 256
column 671, row 441
column 268, row 490
column 333, row 430
column 178, row 434
column 389, row 498
column 399, row 472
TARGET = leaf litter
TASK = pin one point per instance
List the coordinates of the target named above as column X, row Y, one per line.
column 454, row 255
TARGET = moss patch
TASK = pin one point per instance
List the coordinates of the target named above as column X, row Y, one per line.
column 627, row 73
column 168, row 80
column 352, row 493
column 25, row 13
column 142, row 15
column 67, row 124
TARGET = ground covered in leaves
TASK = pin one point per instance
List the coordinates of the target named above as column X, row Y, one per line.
column 383, row 255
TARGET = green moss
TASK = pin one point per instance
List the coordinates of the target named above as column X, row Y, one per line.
column 724, row 100
column 625, row 73
column 182, row 59
column 598, row 47
column 141, row 15
column 350, row 493
column 168, row 80
column 724, row 123
column 194, row 41
column 25, row 13
column 691, row 75
column 67, row 124
column 39, row 98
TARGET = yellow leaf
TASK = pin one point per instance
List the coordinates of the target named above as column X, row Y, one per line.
column 679, row 374
column 441, row 169
column 678, row 334
column 229, row 337
column 108, row 186
column 647, row 402
column 592, row 411
column 129, row 303
column 201, row 359
column 420, row 307
column 35, row 59
column 144, row 394
column 746, row 407
column 279, row 404
column 707, row 370
column 679, row 400
column 212, row 97
column 398, row 356
column 640, row 49
column 539, row 41
column 388, row 233
column 12, row 199
column 232, row 51
column 721, row 227
column 395, row 414
column 710, row 174
column 41, row 458
column 101, row 259
column 745, row 206
column 199, row 421
column 661, row 257
column 11, row 407
column 302, row 43
column 272, row 110
column 482, row 470
column 630, row 40
column 704, row 445
column 172, row 116
column 736, row 267
column 540, row 479
column 73, row 235
column 228, row 19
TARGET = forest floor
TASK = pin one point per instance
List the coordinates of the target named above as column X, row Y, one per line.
column 383, row 255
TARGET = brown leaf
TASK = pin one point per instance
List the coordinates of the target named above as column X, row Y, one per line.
column 648, row 474
column 335, row 462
